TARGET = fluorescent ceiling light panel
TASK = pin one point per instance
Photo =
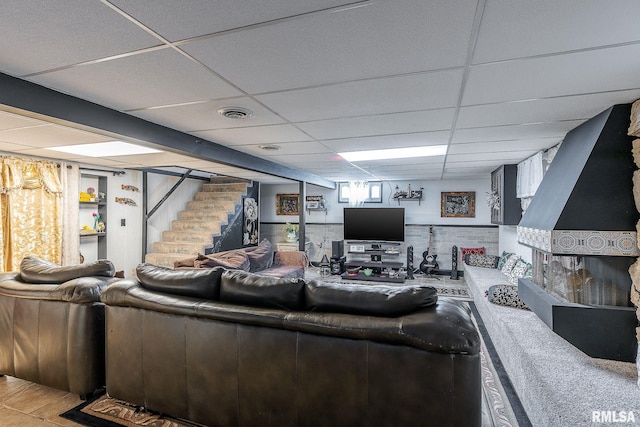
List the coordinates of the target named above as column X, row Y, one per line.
column 105, row 149
column 395, row 153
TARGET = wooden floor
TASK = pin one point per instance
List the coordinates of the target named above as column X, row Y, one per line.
column 25, row 404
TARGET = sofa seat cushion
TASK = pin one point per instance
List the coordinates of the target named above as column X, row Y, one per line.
column 199, row 283
column 240, row 287
column 36, row 270
column 374, row 300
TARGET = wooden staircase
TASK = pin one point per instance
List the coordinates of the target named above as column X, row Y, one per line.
column 194, row 230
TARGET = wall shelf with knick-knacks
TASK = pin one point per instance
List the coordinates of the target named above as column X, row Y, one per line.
column 408, row 194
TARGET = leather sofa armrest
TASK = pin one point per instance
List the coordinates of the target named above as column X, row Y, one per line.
column 78, row 291
column 10, row 275
column 291, row 258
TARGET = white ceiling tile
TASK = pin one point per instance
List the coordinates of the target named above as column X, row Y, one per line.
column 168, row 17
column 514, row 145
column 63, row 32
column 507, row 133
column 541, row 110
column 571, row 74
column 50, row 136
column 372, row 41
column 204, row 115
column 500, row 156
column 287, row 148
column 140, row 81
column 422, row 91
column 14, row 121
column 515, row 29
column 254, row 135
column 386, row 124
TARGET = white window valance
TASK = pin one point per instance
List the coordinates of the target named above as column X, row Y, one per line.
column 530, row 173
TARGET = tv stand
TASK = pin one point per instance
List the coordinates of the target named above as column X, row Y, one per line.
column 381, row 270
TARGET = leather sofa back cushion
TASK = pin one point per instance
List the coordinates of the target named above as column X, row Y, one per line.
column 201, row 283
column 233, row 260
column 261, row 256
column 378, row 300
column 240, row 287
column 36, row 270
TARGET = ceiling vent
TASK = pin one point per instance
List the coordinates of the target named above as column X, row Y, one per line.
column 235, row 113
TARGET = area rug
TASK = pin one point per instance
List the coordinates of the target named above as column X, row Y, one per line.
column 105, row 411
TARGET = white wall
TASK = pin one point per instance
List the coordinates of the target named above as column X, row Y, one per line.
column 509, row 242
column 124, row 242
column 427, row 212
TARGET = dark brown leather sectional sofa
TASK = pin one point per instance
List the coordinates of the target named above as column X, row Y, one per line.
column 232, row 348
column 52, row 324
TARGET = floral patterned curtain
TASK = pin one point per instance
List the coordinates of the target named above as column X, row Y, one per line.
column 31, row 207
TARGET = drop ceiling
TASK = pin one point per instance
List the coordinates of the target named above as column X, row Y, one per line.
column 495, row 81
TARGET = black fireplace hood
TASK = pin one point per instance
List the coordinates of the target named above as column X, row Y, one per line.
column 584, row 204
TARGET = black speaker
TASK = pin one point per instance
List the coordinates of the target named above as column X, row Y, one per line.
column 337, row 248
column 454, row 262
column 410, row 262
column 336, row 265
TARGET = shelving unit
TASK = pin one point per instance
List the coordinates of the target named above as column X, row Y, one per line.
column 376, row 251
column 99, row 247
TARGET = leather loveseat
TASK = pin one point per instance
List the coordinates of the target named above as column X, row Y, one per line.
column 232, row 348
column 52, row 324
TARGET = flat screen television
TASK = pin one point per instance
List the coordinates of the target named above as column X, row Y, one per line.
column 374, row 224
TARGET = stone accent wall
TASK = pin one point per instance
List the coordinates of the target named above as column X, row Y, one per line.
column 320, row 237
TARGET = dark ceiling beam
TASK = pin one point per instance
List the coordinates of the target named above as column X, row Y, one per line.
column 65, row 109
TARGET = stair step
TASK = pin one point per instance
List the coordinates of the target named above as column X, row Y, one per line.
column 164, row 260
column 240, row 187
column 194, row 225
column 218, row 195
column 204, row 215
column 180, row 248
column 187, row 237
column 227, row 180
column 212, row 205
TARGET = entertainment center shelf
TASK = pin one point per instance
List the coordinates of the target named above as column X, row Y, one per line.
column 381, row 270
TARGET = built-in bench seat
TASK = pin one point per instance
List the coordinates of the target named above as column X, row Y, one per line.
column 556, row 383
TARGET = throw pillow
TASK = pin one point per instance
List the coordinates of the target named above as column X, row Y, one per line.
column 486, row 261
column 509, row 264
column 261, row 256
column 503, row 258
column 379, row 300
column 241, row 287
column 505, row 295
column 36, row 270
column 465, row 251
column 203, row 283
column 519, row 270
column 232, row 260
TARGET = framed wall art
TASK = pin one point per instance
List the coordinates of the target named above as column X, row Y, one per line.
column 458, row 204
column 287, row 204
column 250, row 223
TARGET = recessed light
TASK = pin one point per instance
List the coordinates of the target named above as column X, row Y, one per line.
column 105, row 149
column 395, row 153
column 235, row 113
column 270, row 147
